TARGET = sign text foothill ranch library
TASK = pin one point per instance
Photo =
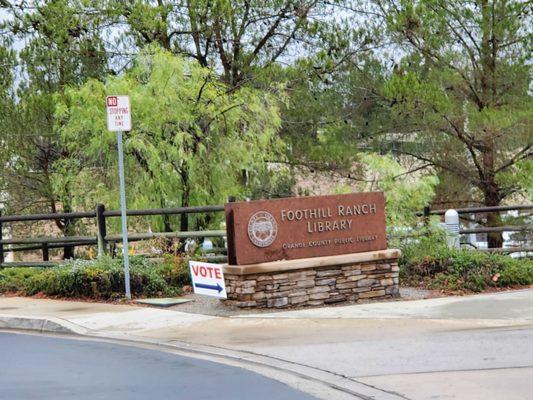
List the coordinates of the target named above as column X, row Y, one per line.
column 326, row 213
column 284, row 229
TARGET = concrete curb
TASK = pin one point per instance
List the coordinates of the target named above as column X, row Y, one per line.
column 42, row 325
column 319, row 383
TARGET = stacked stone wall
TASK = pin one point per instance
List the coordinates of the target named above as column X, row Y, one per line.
column 316, row 286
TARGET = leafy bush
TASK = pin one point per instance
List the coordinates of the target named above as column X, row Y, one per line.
column 175, row 270
column 430, row 262
column 101, row 279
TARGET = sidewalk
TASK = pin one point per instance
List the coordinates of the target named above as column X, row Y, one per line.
column 458, row 347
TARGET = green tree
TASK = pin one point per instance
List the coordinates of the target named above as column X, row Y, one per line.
column 61, row 46
column 239, row 37
column 405, row 194
column 331, row 112
column 192, row 136
column 7, row 104
column 461, row 95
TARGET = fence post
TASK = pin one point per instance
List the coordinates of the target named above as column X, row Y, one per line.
column 101, row 230
column 426, row 214
column 2, row 259
column 46, row 254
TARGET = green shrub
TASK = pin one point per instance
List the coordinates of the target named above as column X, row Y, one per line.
column 102, row 279
column 429, row 261
column 175, row 270
column 12, row 279
column 517, row 274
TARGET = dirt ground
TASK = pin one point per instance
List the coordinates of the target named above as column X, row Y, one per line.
column 213, row 306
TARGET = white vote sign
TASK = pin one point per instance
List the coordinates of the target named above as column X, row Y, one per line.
column 118, row 113
column 208, row 279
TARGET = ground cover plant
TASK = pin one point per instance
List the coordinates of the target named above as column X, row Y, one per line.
column 99, row 279
column 430, row 263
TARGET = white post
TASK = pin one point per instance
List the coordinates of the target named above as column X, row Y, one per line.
column 207, row 244
column 125, row 251
column 451, row 221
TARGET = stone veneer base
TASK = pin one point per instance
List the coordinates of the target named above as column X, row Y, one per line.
column 314, row 281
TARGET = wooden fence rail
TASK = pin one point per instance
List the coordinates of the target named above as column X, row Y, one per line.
column 506, row 228
column 102, row 239
column 476, row 210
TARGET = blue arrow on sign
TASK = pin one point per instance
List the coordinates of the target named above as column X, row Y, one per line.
column 210, row 287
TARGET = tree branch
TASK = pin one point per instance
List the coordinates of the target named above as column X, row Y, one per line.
column 522, row 154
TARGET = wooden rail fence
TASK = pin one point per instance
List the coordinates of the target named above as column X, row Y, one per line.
column 102, row 239
column 483, row 210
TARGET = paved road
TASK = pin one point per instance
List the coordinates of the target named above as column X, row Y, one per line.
column 461, row 348
column 37, row 367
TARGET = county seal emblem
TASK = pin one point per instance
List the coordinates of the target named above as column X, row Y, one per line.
column 262, row 229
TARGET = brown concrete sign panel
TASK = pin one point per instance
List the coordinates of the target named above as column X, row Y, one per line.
column 301, row 227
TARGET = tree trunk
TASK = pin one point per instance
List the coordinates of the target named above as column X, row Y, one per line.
column 68, row 251
column 167, row 226
column 66, row 227
column 184, row 218
column 495, row 239
column 68, row 230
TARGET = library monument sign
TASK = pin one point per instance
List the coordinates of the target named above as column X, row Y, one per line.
column 309, row 251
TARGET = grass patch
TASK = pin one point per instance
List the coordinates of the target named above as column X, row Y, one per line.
column 430, row 263
column 100, row 279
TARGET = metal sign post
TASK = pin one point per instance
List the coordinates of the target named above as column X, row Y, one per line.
column 119, row 120
column 125, row 248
